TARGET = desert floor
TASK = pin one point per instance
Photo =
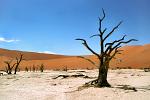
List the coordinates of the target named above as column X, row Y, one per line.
column 43, row 86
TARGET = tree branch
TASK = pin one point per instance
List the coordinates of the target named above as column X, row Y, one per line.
column 100, row 22
column 115, row 52
column 95, row 35
column 98, row 34
column 86, row 45
column 111, row 49
column 88, row 60
column 19, row 60
column 113, row 30
column 104, row 30
column 13, row 65
column 123, row 42
column 111, row 44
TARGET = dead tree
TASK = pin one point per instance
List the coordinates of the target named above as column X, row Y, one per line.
column 26, row 69
column 18, row 60
column 107, row 52
column 9, row 67
column 41, row 67
column 33, row 68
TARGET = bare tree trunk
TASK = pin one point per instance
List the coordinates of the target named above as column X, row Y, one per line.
column 16, row 68
column 9, row 72
column 9, row 69
column 102, row 76
column 18, row 60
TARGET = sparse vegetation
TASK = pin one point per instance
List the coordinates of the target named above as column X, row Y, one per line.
column 13, row 64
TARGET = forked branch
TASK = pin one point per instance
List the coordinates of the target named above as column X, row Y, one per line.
column 110, row 48
column 116, row 51
column 98, row 34
column 116, row 41
column 123, row 42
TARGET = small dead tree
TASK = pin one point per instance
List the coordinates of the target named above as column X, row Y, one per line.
column 9, row 67
column 26, row 69
column 107, row 52
column 18, row 61
column 65, row 68
column 33, row 68
column 42, row 67
column 30, row 68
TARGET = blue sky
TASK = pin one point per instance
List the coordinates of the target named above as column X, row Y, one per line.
column 53, row 25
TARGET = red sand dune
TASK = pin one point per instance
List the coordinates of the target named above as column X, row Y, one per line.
column 131, row 57
column 29, row 55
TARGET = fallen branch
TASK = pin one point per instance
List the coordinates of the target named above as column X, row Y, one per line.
column 127, row 87
column 76, row 75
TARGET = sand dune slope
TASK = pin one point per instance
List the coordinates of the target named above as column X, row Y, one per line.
column 131, row 57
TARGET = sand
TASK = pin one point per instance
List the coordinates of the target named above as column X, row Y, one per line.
column 42, row 86
column 136, row 57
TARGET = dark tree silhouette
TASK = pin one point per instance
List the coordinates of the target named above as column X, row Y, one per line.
column 107, row 52
column 18, row 60
column 26, row 69
column 41, row 67
column 33, row 68
column 9, row 67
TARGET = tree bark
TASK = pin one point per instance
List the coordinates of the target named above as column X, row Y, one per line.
column 102, row 76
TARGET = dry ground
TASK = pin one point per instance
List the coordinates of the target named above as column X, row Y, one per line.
column 42, row 86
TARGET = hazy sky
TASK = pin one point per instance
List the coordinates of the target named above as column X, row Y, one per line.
column 53, row 25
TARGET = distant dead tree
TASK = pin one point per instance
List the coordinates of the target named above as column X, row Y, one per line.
column 9, row 67
column 107, row 52
column 26, row 69
column 33, row 68
column 41, row 67
column 18, row 61
column 65, row 68
column 30, row 68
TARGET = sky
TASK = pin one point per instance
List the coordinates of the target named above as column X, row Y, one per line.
column 51, row 26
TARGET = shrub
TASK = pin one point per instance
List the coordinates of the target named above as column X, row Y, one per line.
column 26, row 69
column 42, row 67
column 33, row 68
column 65, row 68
